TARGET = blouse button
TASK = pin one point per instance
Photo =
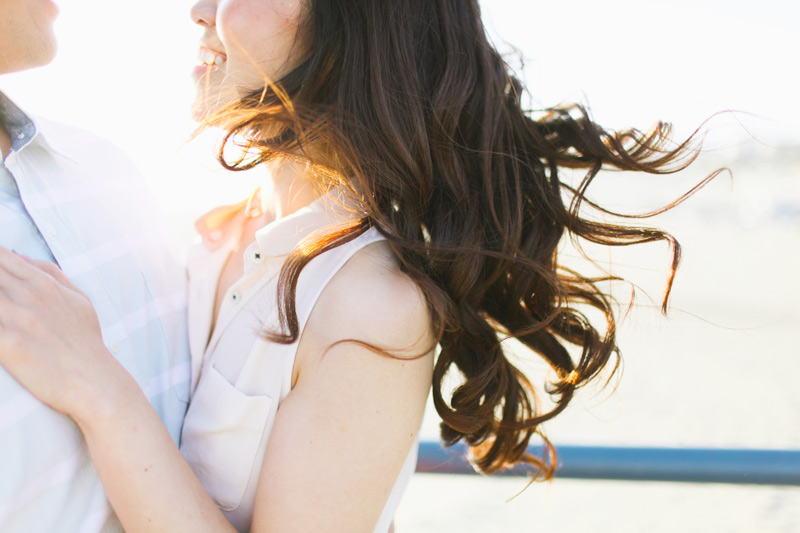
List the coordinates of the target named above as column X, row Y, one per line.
column 257, row 257
column 113, row 346
column 236, row 297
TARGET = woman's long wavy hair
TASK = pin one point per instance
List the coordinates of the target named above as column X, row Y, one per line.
column 413, row 113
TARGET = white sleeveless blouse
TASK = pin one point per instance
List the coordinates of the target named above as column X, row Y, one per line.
column 238, row 378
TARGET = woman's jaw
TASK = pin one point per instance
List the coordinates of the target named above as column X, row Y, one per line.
column 209, row 77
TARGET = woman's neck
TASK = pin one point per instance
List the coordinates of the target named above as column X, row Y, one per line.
column 290, row 188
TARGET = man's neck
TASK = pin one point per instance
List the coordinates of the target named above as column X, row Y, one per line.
column 5, row 143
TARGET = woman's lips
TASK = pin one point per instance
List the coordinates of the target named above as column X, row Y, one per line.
column 210, row 58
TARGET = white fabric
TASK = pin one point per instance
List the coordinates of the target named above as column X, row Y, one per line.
column 74, row 199
column 239, row 379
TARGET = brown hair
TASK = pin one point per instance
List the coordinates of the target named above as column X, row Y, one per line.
column 421, row 122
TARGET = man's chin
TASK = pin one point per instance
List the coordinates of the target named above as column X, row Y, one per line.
column 45, row 49
column 22, row 67
column 48, row 58
column 42, row 56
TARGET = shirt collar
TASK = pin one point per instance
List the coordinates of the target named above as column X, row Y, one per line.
column 281, row 236
column 31, row 129
column 218, row 225
column 20, row 127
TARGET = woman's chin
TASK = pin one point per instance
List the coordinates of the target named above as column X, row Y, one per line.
column 205, row 107
column 200, row 112
column 207, row 104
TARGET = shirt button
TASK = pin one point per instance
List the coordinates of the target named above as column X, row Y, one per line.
column 235, row 297
column 50, row 230
column 113, row 346
column 256, row 256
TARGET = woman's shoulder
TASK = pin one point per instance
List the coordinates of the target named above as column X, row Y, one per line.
column 372, row 301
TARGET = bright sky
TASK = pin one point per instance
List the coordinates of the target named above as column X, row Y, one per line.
column 637, row 61
column 123, row 68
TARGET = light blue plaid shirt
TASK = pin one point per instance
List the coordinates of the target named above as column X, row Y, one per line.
column 71, row 198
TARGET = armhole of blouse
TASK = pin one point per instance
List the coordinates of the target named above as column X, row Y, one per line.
column 320, row 278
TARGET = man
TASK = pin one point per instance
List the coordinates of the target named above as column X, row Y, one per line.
column 73, row 199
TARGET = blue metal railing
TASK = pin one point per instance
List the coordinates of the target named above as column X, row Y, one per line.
column 698, row 465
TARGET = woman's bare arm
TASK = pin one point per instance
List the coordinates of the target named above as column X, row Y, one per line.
column 149, row 484
column 342, row 434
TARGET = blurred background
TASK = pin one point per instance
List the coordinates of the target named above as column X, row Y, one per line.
column 721, row 370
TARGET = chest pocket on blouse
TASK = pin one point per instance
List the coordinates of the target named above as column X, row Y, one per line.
column 221, row 437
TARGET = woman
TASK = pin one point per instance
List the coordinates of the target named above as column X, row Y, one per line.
column 413, row 204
